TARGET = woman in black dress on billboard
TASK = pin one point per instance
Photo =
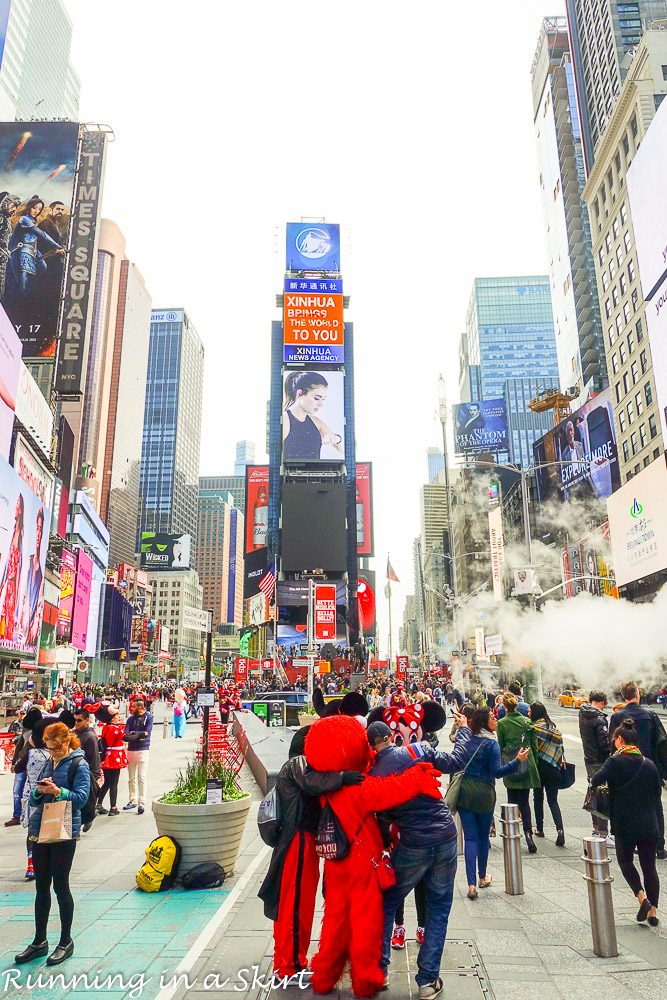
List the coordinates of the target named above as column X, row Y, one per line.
column 303, row 431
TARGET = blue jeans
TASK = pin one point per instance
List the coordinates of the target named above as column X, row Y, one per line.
column 19, row 785
column 476, row 828
column 437, row 866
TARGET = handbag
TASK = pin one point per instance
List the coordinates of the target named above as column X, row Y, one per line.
column 331, row 842
column 385, row 872
column 566, row 776
column 597, row 801
column 454, row 787
column 56, row 822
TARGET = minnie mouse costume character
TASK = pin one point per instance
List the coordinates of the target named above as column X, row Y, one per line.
column 412, row 723
column 353, row 920
column 115, row 757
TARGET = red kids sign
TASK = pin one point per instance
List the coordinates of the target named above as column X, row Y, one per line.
column 241, row 668
column 325, row 613
column 401, row 667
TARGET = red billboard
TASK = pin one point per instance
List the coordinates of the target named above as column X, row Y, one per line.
column 401, row 668
column 256, row 506
column 325, row 613
column 364, row 509
column 84, row 581
column 241, row 669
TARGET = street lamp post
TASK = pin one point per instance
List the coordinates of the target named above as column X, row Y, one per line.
column 442, row 408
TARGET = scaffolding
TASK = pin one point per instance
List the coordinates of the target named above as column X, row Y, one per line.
column 552, row 399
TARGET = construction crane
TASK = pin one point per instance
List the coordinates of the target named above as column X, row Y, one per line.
column 553, row 399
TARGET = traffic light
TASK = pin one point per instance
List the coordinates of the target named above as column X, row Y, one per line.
column 123, row 654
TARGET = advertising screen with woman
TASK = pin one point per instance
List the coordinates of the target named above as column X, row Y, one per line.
column 313, row 416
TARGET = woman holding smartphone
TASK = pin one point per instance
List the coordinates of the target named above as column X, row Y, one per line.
column 53, row 861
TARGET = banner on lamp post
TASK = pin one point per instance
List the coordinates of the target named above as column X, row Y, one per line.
column 497, row 551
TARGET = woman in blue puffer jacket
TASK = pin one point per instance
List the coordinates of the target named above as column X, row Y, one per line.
column 477, row 795
column 66, row 776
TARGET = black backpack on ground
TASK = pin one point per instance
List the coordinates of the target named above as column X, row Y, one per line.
column 89, row 810
column 205, row 876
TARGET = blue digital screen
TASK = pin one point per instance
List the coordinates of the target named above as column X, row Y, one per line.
column 312, row 247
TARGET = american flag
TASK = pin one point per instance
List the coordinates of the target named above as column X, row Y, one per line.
column 268, row 583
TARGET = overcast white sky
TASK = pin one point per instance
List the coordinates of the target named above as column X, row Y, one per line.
column 409, row 124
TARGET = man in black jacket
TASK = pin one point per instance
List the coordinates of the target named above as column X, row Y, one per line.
column 290, row 886
column 90, row 747
column 594, row 731
column 650, row 733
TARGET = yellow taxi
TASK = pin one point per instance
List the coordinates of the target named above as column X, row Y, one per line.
column 571, row 699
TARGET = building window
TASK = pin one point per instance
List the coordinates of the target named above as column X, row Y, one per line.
column 626, row 383
column 633, row 443
column 611, row 335
column 607, row 243
column 631, row 412
column 640, row 331
column 627, row 241
column 622, row 353
column 633, row 126
column 618, row 392
column 615, row 229
column 612, row 268
column 605, row 281
column 652, row 426
column 619, row 327
column 626, row 153
column 635, row 299
column 643, row 438
column 621, row 421
column 607, row 308
column 631, row 342
column 614, row 296
column 626, row 452
column 635, row 373
column 601, row 256
column 614, row 363
column 643, row 361
column 623, row 284
column 648, row 392
column 626, row 312
column 656, row 453
column 619, row 255
column 640, row 404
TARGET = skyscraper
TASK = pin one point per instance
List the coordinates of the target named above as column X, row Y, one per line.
column 172, row 426
column 560, row 156
column 524, row 426
column 604, row 35
column 220, row 556
column 36, row 75
column 245, row 455
column 436, row 463
column 115, row 390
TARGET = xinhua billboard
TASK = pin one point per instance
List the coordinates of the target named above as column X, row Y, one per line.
column 480, row 426
column 37, row 169
column 313, row 321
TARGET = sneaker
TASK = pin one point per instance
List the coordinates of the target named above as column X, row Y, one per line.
column 140, row 810
column 661, row 855
column 611, row 842
column 130, row 805
column 86, row 826
column 385, row 984
column 30, row 873
column 430, row 990
column 420, row 935
column 398, row 940
column 101, row 811
column 113, row 812
column 14, row 821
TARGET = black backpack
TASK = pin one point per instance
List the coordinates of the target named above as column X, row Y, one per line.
column 205, row 876
column 102, row 748
column 89, row 810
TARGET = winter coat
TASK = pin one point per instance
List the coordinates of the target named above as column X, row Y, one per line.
column 515, row 731
column 485, row 763
column 115, row 758
column 634, row 794
column 594, row 732
column 77, row 794
column 647, row 724
column 34, row 764
column 298, row 787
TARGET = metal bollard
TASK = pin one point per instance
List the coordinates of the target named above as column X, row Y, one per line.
column 510, row 820
column 165, row 729
column 599, row 897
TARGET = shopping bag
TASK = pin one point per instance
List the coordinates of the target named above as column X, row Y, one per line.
column 56, row 822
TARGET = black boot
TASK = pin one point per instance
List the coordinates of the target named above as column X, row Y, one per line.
column 32, row 951
column 532, row 849
column 60, row 953
column 560, row 839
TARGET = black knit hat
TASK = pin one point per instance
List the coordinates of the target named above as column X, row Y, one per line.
column 377, row 731
column 49, row 720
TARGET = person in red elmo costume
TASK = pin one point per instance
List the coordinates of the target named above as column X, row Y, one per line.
column 353, row 918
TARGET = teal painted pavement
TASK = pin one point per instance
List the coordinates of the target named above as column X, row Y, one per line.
column 115, row 933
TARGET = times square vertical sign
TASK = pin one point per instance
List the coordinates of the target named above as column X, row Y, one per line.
column 81, row 267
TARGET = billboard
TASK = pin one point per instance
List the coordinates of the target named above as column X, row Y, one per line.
column 646, row 191
column 163, row 551
column 497, row 551
column 314, row 533
column 313, row 322
column 81, row 266
column 84, row 580
column 366, row 600
column 66, row 602
column 33, row 410
column 313, row 416
column 292, row 599
column 325, row 613
column 23, row 544
column 255, row 566
column 638, row 524
column 583, row 451
column 312, row 247
column 596, row 562
column 32, row 472
column 37, row 168
column 256, row 506
column 258, row 609
column 10, row 367
column 480, row 426
column 364, row 506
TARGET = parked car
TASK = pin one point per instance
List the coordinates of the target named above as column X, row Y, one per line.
column 571, row 699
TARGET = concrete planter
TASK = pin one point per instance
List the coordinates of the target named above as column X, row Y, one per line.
column 307, row 720
column 205, row 832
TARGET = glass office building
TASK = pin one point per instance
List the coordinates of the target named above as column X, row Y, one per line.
column 172, row 426
column 510, row 331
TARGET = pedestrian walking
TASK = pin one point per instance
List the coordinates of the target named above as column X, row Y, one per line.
column 90, row 747
column 114, row 757
column 594, row 732
column 180, row 704
column 650, row 733
column 550, row 761
column 635, row 789
column 515, row 732
column 477, row 795
column 20, row 740
column 514, row 688
column 138, row 729
column 53, row 860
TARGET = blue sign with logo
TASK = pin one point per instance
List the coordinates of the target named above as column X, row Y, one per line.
column 334, row 285
column 312, row 247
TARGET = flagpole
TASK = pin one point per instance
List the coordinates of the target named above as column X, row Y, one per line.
column 389, row 598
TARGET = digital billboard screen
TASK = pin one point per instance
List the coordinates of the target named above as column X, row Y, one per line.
column 480, row 426
column 163, row 551
column 364, row 508
column 37, row 170
column 84, row 580
column 580, row 454
column 255, row 566
column 10, row 368
column 312, row 247
column 292, row 601
column 314, row 534
column 638, row 525
column 256, row 506
column 66, row 602
column 313, row 416
column 23, row 544
column 313, row 321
